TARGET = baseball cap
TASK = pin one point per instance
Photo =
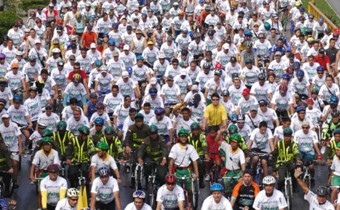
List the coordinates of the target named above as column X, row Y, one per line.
column 245, row 92
column 37, row 41
column 93, row 95
column 225, row 46
column 4, row 116
column 150, row 42
column 183, row 72
column 125, row 74
column 126, row 47
column 278, row 53
column 233, row 59
column 310, row 100
column 153, row 81
column 263, row 103
column 93, row 45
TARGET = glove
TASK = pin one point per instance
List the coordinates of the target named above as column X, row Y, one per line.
column 298, row 173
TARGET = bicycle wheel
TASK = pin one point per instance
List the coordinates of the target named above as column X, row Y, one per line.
column 138, row 178
column 307, row 181
column 2, row 188
column 288, row 194
column 151, row 194
column 195, row 192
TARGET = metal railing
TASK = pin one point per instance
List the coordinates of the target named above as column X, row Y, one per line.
column 312, row 9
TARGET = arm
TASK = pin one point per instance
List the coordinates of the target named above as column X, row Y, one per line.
column 117, row 200
column 195, row 168
column 20, row 144
column 171, row 165
column 93, row 201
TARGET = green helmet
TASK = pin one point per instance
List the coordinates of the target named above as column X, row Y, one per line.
column 338, row 145
column 84, row 130
column 287, row 131
column 236, row 137
column 315, row 90
column 195, row 125
column 232, row 129
column 183, row 132
column 139, row 116
column 47, row 133
column 267, row 26
column 102, row 145
column 109, row 130
column 61, row 125
column 46, row 140
column 153, row 129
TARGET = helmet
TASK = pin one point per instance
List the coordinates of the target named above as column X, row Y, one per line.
column 233, row 117
column 287, row 131
column 47, row 133
column 322, row 191
column 284, row 39
column 232, row 129
column 336, row 32
column 195, row 125
column 139, row 57
column 72, row 192
column 218, row 65
column 111, row 42
column 102, row 145
column 159, row 111
column 207, row 66
column 334, row 99
column 98, row 63
column 153, row 129
column 2, row 56
column 300, row 108
column 216, row 187
column 267, row 26
column 248, row 33
column 336, row 131
column 46, row 140
column 286, row 76
column 100, row 105
column 171, row 179
column 261, row 76
column 103, row 171
column 129, row 70
column 84, row 130
column 53, row 167
column 320, row 68
column 153, row 91
column 32, row 88
column 99, row 121
column 17, row 98
column 315, row 90
column 335, row 113
column 56, row 50
column 3, row 204
column 211, row 32
column 183, row 132
column 139, row 116
column 296, row 65
column 139, row 194
column 61, row 126
column 109, row 130
column 268, row 180
column 283, row 88
column 271, row 73
column 236, row 137
column 76, row 78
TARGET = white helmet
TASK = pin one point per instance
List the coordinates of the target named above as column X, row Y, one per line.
column 268, row 180
column 72, row 192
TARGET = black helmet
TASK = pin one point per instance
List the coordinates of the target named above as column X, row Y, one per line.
column 322, row 191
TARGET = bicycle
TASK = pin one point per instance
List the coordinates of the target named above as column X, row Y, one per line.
column 138, row 175
column 59, row 106
column 229, row 185
column 288, row 189
column 191, row 201
column 152, row 185
column 214, row 171
column 38, row 176
column 258, row 177
column 3, row 185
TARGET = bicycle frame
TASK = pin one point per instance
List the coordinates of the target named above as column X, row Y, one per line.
column 288, row 189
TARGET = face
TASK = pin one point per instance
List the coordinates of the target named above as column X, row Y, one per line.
column 104, row 179
column 247, row 178
column 53, row 175
column 186, row 115
column 73, row 201
column 305, row 129
column 138, row 203
column 215, row 101
column 170, row 186
column 269, row 188
column 114, row 91
column 47, row 147
column 321, row 199
column 183, row 139
column 234, row 145
column 301, row 114
column 263, row 130
column 76, row 115
column 217, row 195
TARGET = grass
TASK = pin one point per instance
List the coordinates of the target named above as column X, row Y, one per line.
column 324, row 7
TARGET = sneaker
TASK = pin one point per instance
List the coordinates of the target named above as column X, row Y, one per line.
column 207, row 178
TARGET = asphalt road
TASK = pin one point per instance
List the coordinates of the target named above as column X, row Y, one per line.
column 27, row 198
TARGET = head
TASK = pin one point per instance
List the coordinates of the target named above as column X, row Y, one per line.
column 72, row 196
column 170, row 181
column 53, row 171
column 216, row 190
column 104, row 174
column 183, row 136
column 215, row 98
column 138, row 199
column 269, row 184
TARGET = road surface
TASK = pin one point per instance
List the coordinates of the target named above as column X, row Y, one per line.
column 335, row 5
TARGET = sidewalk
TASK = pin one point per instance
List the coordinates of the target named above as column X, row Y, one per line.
column 335, row 5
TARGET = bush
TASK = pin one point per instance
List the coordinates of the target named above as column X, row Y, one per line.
column 33, row 4
column 7, row 20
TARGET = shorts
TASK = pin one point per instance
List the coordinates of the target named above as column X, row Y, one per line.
column 181, row 173
column 120, row 127
column 15, row 156
column 215, row 157
column 335, row 181
column 307, row 158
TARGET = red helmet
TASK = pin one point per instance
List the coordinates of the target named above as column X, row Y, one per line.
column 283, row 88
column 336, row 32
column 218, row 65
column 53, row 167
column 289, row 70
column 170, row 179
column 271, row 73
column 60, row 21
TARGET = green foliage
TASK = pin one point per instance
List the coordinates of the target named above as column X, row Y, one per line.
column 33, row 4
column 324, row 7
column 7, row 20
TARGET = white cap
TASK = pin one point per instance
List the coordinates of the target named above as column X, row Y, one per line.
column 175, row 3
column 153, row 81
column 194, row 87
column 125, row 74
column 183, row 72
column 226, row 46
column 18, row 52
column 126, row 47
column 161, row 55
column 5, row 116
column 93, row 45
column 37, row 41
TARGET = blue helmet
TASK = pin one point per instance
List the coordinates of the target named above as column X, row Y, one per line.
column 233, row 117
column 159, row 111
column 111, row 42
column 99, row 121
column 284, row 39
column 17, row 98
column 286, row 76
column 300, row 74
column 216, row 187
column 320, row 68
column 248, row 33
column 139, row 57
column 300, row 108
column 3, row 204
column 296, row 65
column 129, row 70
column 98, row 63
column 334, row 99
column 139, row 194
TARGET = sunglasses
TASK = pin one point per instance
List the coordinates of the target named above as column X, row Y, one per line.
column 305, row 127
column 171, row 184
column 215, row 99
column 74, row 199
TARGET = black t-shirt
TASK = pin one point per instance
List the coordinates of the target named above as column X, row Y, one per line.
column 332, row 54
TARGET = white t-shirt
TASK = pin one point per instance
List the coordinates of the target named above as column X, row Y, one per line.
column 261, row 141
column 42, row 161
column 237, row 158
column 99, row 162
column 183, row 156
column 210, row 204
column 50, row 121
column 163, row 125
column 314, row 204
column 276, row 201
column 306, row 142
column 63, row 204
column 131, row 206
column 53, row 188
column 10, row 136
column 169, row 199
column 335, row 167
column 105, row 192
column 73, row 125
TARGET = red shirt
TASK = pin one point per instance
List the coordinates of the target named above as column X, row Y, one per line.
column 82, row 74
column 212, row 144
column 322, row 60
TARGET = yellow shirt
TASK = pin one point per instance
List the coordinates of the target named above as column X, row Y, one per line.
column 215, row 114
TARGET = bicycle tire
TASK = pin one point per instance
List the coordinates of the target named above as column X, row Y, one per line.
column 151, row 194
column 138, row 181
column 288, row 195
column 195, row 192
column 2, row 188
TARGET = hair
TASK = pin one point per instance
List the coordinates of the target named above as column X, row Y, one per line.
column 147, row 104
column 263, row 124
column 215, row 95
column 115, row 87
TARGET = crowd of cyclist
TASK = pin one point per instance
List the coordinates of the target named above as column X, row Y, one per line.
column 215, row 91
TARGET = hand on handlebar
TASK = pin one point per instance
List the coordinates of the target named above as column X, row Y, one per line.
column 207, row 157
column 194, row 176
column 10, row 171
column 32, row 178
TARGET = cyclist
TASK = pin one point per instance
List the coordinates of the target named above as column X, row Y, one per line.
column 244, row 192
column 78, row 155
column 316, row 200
column 112, row 100
column 269, row 197
column 105, row 191
column 330, row 126
column 49, row 118
column 332, row 148
column 153, row 153
column 164, row 124
column 97, row 130
column 100, row 113
column 285, row 155
column 33, row 105
column 102, row 159
column 75, row 89
column 335, row 173
column 216, row 200
column 76, row 121
column 62, row 138
column 69, row 203
column 121, row 112
column 198, row 140
column 170, row 195
column 299, row 118
column 215, row 113
column 183, row 157
column 138, row 202
column 115, row 145
column 68, row 110
column 52, row 188
column 5, row 166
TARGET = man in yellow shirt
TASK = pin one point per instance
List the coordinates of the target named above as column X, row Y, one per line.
column 215, row 114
